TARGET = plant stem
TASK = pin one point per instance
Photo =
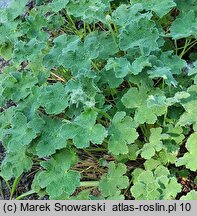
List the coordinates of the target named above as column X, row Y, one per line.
column 90, row 154
column 89, row 184
column 8, row 185
column 102, row 112
column 191, row 45
column 73, row 25
column 187, row 42
column 112, row 33
column 97, row 149
column 89, row 29
column 176, row 47
column 1, row 190
column 165, row 117
column 95, row 66
column 143, row 129
column 25, row 194
column 16, row 181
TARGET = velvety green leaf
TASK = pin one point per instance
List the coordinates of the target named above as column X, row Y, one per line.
column 134, row 98
column 190, row 115
column 57, row 177
column 15, row 163
column 100, row 44
column 184, row 26
column 140, row 63
column 121, row 66
column 169, row 60
column 142, row 34
column 5, row 121
column 155, row 185
column 163, row 72
column 53, row 98
column 155, row 144
column 21, row 132
column 115, row 180
column 161, row 8
column 58, row 5
column 192, row 195
column 189, row 158
column 17, row 86
column 90, row 11
column 122, row 133
column 53, row 137
column 124, row 14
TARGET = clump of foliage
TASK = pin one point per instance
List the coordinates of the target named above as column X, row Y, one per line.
column 104, row 96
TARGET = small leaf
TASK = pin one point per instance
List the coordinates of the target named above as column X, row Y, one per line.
column 57, row 178
column 115, row 180
column 122, row 133
column 189, row 159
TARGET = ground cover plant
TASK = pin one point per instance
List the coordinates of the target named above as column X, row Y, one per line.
column 99, row 98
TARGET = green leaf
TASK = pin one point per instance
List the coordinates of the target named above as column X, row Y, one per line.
column 90, row 11
column 58, row 5
column 155, row 185
column 163, row 72
column 169, row 60
column 53, row 98
column 110, row 78
column 139, row 64
column 14, row 8
column 122, row 133
column 142, row 34
column 190, row 115
column 186, row 6
column 23, row 50
column 134, row 98
column 17, row 86
column 100, row 44
column 189, row 159
column 161, row 8
column 115, row 180
column 155, row 144
column 21, row 132
column 6, row 50
column 184, row 26
column 84, row 130
column 57, row 177
column 81, row 91
column 166, row 157
column 63, row 45
column 192, row 195
column 121, row 66
column 151, row 164
column 54, row 136
column 15, row 163
column 5, row 121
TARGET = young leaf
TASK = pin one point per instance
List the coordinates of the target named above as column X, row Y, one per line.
column 192, row 195
column 121, row 66
column 122, row 133
column 142, row 34
column 161, row 8
column 53, row 136
column 155, row 144
column 184, row 26
column 53, row 98
column 155, row 185
column 57, row 177
column 115, row 180
column 189, row 159
column 21, row 132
